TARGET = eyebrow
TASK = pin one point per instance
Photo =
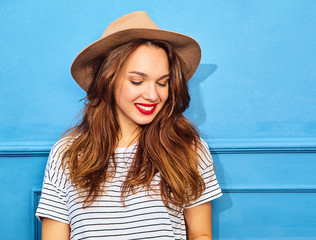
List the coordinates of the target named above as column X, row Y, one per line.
column 145, row 75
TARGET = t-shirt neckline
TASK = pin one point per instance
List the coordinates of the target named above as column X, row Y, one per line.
column 125, row 149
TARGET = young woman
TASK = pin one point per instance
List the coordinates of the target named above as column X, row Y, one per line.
column 135, row 167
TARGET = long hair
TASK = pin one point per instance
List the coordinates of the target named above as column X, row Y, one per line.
column 168, row 146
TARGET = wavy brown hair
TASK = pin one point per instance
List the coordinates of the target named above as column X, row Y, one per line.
column 168, row 146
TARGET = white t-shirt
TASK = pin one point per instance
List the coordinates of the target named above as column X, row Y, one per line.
column 144, row 215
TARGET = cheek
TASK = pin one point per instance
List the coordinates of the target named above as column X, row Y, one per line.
column 125, row 93
column 164, row 95
column 129, row 92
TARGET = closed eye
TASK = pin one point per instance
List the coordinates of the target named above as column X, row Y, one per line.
column 136, row 82
column 162, row 84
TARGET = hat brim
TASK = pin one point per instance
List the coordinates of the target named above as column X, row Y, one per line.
column 92, row 56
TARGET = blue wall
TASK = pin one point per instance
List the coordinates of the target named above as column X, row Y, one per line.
column 253, row 98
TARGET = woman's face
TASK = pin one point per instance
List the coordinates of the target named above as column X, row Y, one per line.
column 141, row 89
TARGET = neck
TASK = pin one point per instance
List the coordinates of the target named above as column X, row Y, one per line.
column 128, row 136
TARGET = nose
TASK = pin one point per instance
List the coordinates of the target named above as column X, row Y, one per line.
column 150, row 92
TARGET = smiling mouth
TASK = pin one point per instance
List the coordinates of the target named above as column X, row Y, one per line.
column 145, row 108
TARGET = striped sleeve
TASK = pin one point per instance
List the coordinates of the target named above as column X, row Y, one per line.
column 52, row 203
column 207, row 171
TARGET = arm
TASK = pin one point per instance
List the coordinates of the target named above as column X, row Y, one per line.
column 199, row 222
column 54, row 230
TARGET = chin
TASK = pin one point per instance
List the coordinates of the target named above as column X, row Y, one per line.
column 145, row 121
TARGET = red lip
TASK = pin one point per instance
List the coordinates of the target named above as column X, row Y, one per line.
column 143, row 111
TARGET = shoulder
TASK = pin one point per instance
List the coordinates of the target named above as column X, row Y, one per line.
column 205, row 158
column 204, row 143
column 58, row 149
column 54, row 165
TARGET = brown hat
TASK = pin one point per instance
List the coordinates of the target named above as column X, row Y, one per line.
column 136, row 25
